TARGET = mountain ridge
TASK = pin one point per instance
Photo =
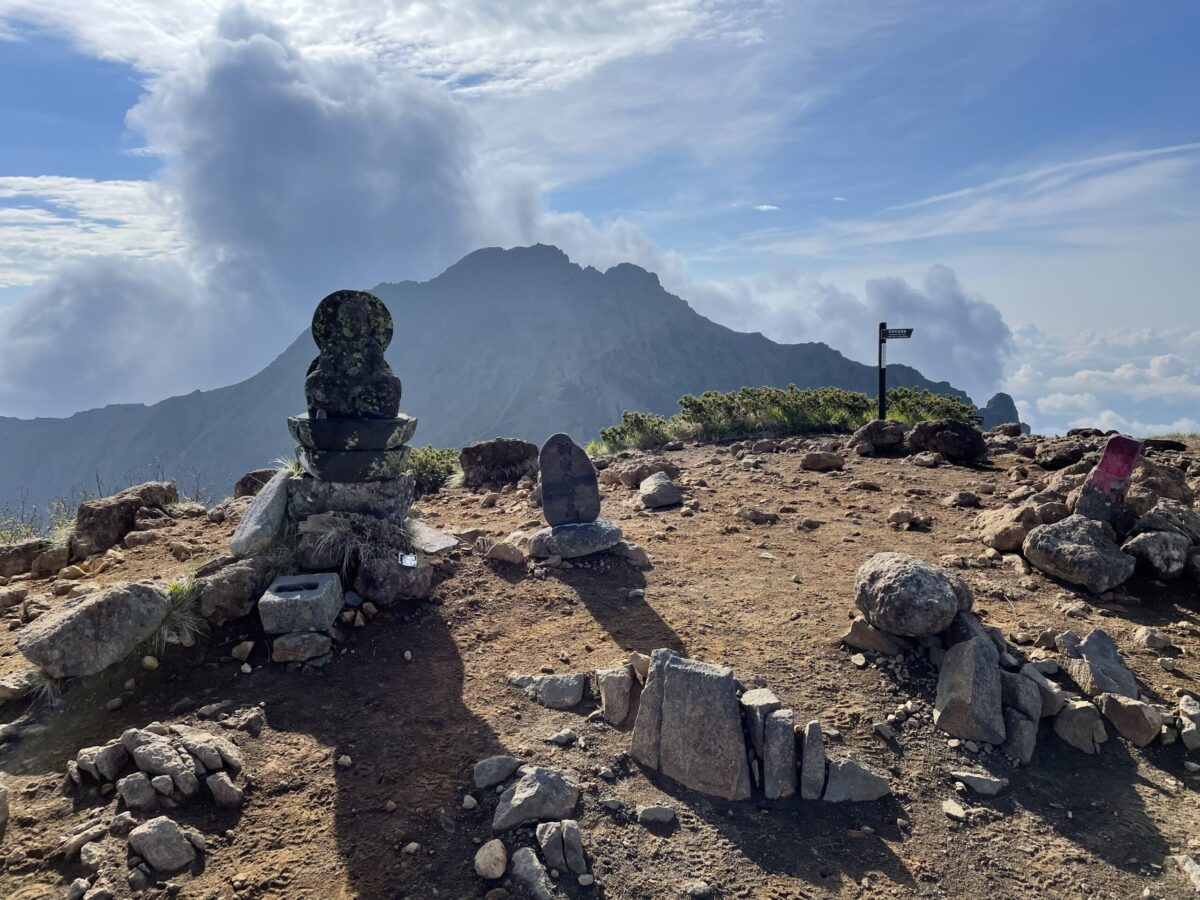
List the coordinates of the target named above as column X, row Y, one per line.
column 519, row 342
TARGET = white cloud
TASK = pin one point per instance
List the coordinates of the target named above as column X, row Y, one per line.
column 766, row 207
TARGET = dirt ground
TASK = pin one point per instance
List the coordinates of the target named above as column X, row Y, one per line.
column 419, row 695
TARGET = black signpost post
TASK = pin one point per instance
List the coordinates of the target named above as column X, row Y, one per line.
column 884, row 334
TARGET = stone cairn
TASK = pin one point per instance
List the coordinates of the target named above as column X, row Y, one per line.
column 571, row 504
column 350, row 508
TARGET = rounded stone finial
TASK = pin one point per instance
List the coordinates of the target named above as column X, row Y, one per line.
column 351, row 318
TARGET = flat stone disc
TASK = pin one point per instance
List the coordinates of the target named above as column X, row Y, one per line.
column 353, row 465
column 352, row 434
column 570, row 493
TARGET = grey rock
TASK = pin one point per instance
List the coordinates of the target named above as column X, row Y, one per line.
column 162, row 843
column 1020, row 736
column 573, row 847
column 956, row 441
column 1079, row 551
column 1164, row 553
column 779, row 755
column 493, row 770
column 812, row 765
column 213, row 751
column 500, row 460
column 655, row 815
column 137, row 792
column 615, row 687
column 1136, row 721
column 390, row 499
column 102, row 763
column 552, row 691
column 699, row 739
column 880, row 434
column 851, row 781
column 1100, row 669
column 491, row 860
column 550, row 839
column 658, row 492
column 1172, row 516
column 102, row 523
column 301, row 603
column 153, row 753
column 571, row 541
column 1190, row 869
column 821, row 461
column 1079, row 724
column 539, row 795
column 90, row 633
column 16, row 559
column 968, row 703
column 1053, row 696
column 862, row 635
column 300, row 647
column 570, row 492
column 385, row 581
column 1020, row 693
column 261, row 523
column 757, row 705
column 231, row 592
column 4, row 812
column 223, row 790
column 981, row 783
column 530, row 876
column 427, row 540
column 903, row 595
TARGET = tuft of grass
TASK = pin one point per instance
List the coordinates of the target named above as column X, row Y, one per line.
column 44, row 691
column 291, row 465
column 351, row 540
column 183, row 622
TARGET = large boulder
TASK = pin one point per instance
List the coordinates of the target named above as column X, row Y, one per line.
column 1006, row 528
column 878, row 435
column 103, row 523
column 232, row 591
column 968, row 703
column 1079, row 724
column 1171, row 515
column 16, row 559
column 903, row 595
column 163, row 844
column 253, row 482
column 1163, row 553
column 956, row 441
column 1080, row 551
column 634, row 474
column 689, row 726
column 498, row 461
column 659, row 491
column 90, row 633
column 1135, row 720
column 1153, row 482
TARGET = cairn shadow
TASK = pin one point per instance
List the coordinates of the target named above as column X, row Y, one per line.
column 826, row 845
column 412, row 741
column 631, row 622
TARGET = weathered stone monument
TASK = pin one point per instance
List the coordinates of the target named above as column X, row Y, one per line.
column 349, row 509
column 571, row 504
column 1102, row 496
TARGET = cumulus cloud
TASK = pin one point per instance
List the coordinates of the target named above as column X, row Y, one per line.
column 287, row 175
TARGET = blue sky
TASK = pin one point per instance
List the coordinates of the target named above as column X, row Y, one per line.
column 1021, row 180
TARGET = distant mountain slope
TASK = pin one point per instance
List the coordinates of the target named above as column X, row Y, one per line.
column 518, row 342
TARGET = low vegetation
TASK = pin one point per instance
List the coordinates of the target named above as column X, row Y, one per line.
column 714, row 415
column 432, row 467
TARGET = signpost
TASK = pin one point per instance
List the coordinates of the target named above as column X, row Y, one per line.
column 884, row 334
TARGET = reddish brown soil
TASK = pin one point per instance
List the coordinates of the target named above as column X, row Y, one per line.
column 768, row 600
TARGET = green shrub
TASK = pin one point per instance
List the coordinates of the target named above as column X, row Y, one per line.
column 432, row 467
column 717, row 415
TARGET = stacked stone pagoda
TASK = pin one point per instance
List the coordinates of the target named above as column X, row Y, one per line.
column 353, row 430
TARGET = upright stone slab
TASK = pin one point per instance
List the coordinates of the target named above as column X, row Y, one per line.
column 700, row 742
column 261, row 522
column 570, row 492
column 812, row 766
column 968, row 703
column 1103, row 494
column 757, row 705
column 779, row 755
